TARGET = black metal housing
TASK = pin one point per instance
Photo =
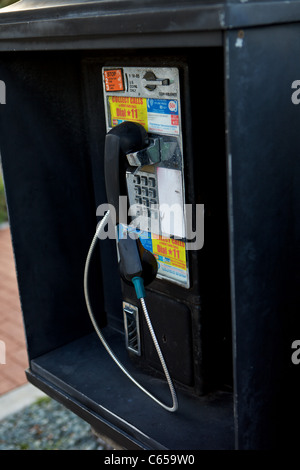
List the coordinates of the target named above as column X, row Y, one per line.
column 239, row 61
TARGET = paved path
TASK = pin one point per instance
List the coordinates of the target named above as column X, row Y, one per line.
column 12, row 373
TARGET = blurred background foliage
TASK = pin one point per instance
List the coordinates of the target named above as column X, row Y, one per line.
column 5, row 3
column 3, row 210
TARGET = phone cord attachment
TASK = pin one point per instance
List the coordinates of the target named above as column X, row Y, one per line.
column 140, row 293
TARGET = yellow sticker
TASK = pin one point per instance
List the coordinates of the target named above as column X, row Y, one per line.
column 128, row 108
column 169, row 251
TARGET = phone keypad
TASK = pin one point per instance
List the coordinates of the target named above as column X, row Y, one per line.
column 147, row 189
column 143, row 195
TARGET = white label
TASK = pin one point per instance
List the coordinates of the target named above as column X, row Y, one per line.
column 169, row 183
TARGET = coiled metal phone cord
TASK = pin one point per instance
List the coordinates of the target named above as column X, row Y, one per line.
column 174, row 406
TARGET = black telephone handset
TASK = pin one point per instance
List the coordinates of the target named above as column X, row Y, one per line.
column 126, row 138
column 137, row 265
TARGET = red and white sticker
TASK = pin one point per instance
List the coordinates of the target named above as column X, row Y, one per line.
column 114, row 80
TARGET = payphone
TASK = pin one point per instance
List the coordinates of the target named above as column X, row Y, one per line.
column 226, row 316
column 145, row 177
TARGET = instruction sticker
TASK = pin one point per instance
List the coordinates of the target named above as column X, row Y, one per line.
column 170, row 252
column 163, row 117
column 171, row 258
column 159, row 116
column 113, row 80
column 126, row 108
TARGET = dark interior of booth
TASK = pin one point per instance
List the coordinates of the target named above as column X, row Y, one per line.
column 52, row 147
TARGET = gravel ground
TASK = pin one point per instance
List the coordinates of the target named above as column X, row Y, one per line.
column 47, row 425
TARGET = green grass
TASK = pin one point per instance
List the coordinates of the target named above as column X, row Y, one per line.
column 42, row 400
column 3, row 210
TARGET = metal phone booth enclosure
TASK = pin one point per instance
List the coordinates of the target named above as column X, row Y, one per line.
column 228, row 327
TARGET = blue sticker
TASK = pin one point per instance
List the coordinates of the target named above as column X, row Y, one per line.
column 162, row 106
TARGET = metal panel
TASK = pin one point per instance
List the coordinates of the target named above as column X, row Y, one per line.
column 56, row 25
column 264, row 182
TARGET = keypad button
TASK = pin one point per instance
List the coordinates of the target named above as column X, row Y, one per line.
column 152, row 182
column 144, row 180
column 138, row 190
column 138, row 200
column 137, row 180
column 144, row 192
column 145, row 202
column 152, row 192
